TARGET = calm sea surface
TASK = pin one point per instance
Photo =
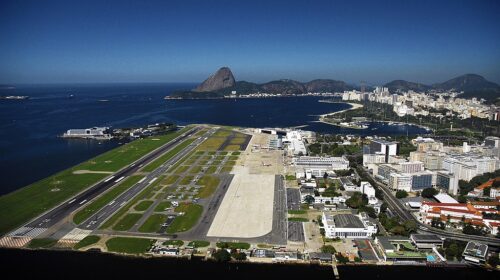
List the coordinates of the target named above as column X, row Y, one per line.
column 40, row 264
column 30, row 149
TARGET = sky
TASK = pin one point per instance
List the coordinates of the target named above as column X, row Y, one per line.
column 185, row 41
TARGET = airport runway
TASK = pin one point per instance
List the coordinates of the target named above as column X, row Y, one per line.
column 293, row 199
column 107, row 211
column 52, row 217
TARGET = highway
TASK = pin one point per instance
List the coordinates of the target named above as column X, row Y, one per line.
column 398, row 209
column 52, row 217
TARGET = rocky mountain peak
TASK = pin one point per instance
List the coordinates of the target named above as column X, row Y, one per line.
column 221, row 79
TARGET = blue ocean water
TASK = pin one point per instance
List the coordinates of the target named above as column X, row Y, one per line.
column 30, row 149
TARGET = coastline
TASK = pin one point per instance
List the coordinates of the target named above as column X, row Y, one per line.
column 355, row 106
column 322, row 117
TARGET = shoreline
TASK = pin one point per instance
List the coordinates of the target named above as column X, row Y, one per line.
column 322, row 117
column 355, row 106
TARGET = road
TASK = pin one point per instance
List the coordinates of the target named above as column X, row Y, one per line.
column 397, row 208
column 54, row 216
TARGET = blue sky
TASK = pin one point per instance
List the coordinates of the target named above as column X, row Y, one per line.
column 185, row 41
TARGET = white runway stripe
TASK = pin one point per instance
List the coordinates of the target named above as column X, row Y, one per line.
column 27, row 231
column 76, row 235
column 14, row 242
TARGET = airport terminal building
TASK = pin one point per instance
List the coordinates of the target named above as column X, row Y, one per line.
column 348, row 226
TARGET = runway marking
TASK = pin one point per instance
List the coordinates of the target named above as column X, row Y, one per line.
column 111, row 203
column 107, row 180
column 83, row 201
column 119, row 179
column 27, row 232
column 154, row 179
column 14, row 241
column 73, row 200
column 73, row 237
column 141, row 180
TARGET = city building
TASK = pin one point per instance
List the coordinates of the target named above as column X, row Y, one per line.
column 94, row 132
column 348, row 226
column 421, row 180
column 475, row 252
column 411, row 167
column 426, row 241
column 398, row 181
column 447, row 181
column 333, row 163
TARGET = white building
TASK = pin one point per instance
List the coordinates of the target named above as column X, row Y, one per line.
column 348, row 226
column 412, row 167
column 333, row 163
column 398, row 181
column 367, row 188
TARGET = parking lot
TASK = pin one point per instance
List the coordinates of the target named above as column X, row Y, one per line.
column 293, row 199
column 296, row 232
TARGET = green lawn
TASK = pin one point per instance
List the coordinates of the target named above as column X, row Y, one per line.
column 186, row 180
column 24, row 204
column 209, row 184
column 199, row 243
column 168, row 155
column 170, row 180
column 195, row 169
column 297, row 212
column 127, row 222
column 233, row 245
column 192, row 213
column 104, row 199
column 226, row 169
column 297, row 219
column 42, row 243
column 145, row 193
column 143, row 205
column 173, row 243
column 211, row 170
column 153, row 223
column 162, row 206
column 87, row 241
column 181, row 169
column 129, row 245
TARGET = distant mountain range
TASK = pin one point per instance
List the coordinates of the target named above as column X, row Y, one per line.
column 472, row 85
column 223, row 83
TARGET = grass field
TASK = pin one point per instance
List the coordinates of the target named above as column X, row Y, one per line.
column 168, row 155
column 233, row 245
column 129, row 245
column 209, row 184
column 153, row 223
column 162, row 206
column 38, row 243
column 192, row 213
column 232, row 147
column 127, row 222
column 226, row 169
column 87, row 241
column 24, row 204
column 199, row 243
column 211, row 170
column 104, row 199
column 143, row 205
column 211, row 144
column 297, row 212
column 181, row 169
column 195, row 169
column 170, row 180
column 186, row 180
column 177, row 243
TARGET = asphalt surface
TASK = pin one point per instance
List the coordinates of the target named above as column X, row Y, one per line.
column 293, row 199
column 107, row 211
column 296, row 232
column 210, row 207
column 60, row 212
